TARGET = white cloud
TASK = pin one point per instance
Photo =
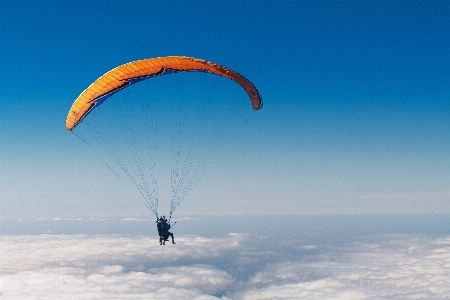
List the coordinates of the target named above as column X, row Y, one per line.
column 400, row 266
column 237, row 266
column 101, row 267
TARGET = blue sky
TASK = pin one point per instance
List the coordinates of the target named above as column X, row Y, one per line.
column 355, row 117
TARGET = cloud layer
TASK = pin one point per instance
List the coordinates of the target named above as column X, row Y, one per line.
column 236, row 266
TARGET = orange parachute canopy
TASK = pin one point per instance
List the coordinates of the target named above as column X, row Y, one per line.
column 127, row 74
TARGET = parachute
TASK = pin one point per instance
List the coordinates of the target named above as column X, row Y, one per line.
column 127, row 74
column 196, row 110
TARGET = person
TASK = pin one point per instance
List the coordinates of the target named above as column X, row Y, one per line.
column 163, row 230
column 167, row 232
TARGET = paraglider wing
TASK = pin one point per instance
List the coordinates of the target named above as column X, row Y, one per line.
column 127, row 74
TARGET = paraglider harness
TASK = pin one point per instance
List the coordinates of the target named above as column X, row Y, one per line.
column 163, row 230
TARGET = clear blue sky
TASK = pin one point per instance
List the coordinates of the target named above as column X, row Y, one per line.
column 355, row 117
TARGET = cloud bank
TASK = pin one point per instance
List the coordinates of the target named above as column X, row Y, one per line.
column 236, row 266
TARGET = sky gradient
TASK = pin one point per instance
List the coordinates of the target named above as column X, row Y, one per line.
column 356, row 103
